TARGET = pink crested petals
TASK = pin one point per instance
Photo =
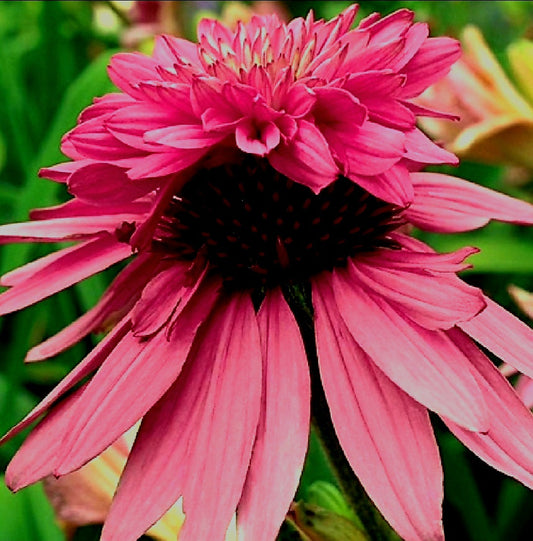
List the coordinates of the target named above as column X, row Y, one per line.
column 200, row 434
column 61, row 272
column 386, row 435
column 306, row 158
column 504, row 334
column 81, row 371
column 434, row 301
column 117, row 300
column 508, row 444
column 421, row 362
column 126, row 386
column 448, row 204
column 283, row 428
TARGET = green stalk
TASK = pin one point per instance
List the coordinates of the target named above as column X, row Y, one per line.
column 376, row 527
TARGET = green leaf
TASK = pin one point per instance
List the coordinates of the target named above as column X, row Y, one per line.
column 27, row 515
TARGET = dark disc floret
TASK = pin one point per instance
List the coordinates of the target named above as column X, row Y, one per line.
column 258, row 228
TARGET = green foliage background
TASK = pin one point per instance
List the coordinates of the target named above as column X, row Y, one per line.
column 52, row 63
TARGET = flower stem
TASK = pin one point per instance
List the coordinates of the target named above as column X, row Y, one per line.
column 375, row 525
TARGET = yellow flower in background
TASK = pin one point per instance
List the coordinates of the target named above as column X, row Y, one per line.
column 84, row 497
column 496, row 118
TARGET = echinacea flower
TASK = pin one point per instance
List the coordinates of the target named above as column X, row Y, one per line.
column 496, row 116
column 84, row 497
column 261, row 181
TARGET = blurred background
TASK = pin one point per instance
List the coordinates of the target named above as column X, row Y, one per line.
column 53, row 58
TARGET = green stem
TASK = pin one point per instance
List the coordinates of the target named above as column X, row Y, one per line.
column 375, row 525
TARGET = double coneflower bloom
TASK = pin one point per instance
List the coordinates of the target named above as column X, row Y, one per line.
column 259, row 184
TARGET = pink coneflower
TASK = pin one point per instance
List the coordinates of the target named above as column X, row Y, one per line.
column 262, row 182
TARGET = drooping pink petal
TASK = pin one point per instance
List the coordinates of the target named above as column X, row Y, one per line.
column 504, row 334
column 82, row 370
column 386, row 435
column 129, row 383
column 433, row 303
column 105, row 105
column 200, row 434
column 61, row 272
column 448, row 204
column 283, row 425
column 306, row 158
column 169, row 290
column 38, row 455
column 423, row 363
column 118, row 299
column 508, row 444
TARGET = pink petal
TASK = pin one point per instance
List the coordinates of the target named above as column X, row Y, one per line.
column 431, row 62
column 371, row 150
column 126, row 69
column 170, row 287
column 129, row 383
column 508, row 445
column 130, row 124
column 425, row 364
column 38, row 455
column 62, row 171
column 394, row 186
column 105, row 184
column 82, row 370
column 117, row 300
column 200, row 435
column 504, row 334
column 168, row 49
column 60, row 229
column 447, row 204
column 92, row 140
column 434, row 302
column 164, row 163
column 256, row 139
column 420, row 148
column 74, row 208
column 183, row 136
column 75, row 265
column 306, row 158
column 105, row 106
column 386, row 435
column 283, row 425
